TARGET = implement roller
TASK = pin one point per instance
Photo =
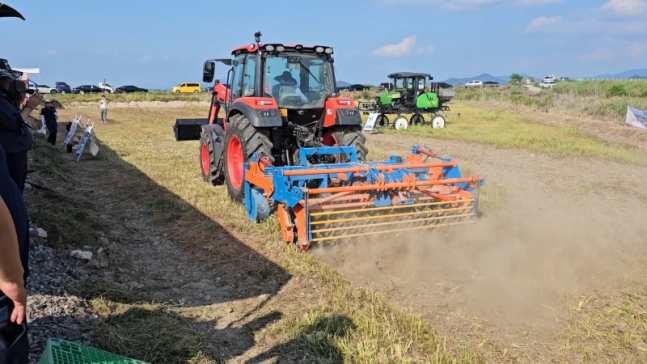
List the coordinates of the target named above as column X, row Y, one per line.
column 330, row 202
column 285, row 140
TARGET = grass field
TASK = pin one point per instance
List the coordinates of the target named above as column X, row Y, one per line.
column 145, row 190
column 66, row 99
column 505, row 129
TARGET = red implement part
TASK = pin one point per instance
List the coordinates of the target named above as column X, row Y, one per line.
column 235, row 161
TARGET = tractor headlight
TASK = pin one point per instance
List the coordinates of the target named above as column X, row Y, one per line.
column 269, row 48
column 319, row 49
column 280, row 48
column 328, row 50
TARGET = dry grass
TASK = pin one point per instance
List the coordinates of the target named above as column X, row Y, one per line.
column 339, row 324
column 67, row 99
column 598, row 100
column 510, row 130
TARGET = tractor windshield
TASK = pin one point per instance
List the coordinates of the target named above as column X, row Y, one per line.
column 298, row 80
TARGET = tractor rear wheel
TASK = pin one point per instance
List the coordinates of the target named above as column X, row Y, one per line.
column 210, row 155
column 346, row 136
column 242, row 141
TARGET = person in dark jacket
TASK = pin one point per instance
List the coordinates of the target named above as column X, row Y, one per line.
column 49, row 117
column 15, row 136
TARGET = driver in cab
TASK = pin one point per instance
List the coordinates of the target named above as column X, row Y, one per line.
column 287, row 85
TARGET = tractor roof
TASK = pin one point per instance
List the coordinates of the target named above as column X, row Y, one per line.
column 251, row 48
column 408, row 74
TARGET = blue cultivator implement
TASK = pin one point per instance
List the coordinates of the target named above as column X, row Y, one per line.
column 332, row 201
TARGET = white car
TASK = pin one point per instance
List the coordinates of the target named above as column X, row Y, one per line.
column 549, row 79
column 106, row 87
column 547, row 84
column 475, row 83
column 44, row 89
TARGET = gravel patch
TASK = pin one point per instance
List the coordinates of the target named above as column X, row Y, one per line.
column 52, row 311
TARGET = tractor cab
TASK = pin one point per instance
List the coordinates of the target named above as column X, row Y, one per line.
column 410, row 85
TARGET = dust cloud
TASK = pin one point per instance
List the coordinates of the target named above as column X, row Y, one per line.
column 513, row 266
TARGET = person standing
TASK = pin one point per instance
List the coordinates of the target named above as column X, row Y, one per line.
column 49, row 117
column 103, row 107
column 14, row 270
column 15, row 136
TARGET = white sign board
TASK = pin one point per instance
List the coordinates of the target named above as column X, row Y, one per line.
column 75, row 124
column 370, row 122
column 87, row 135
column 636, row 117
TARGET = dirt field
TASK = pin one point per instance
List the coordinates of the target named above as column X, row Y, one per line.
column 553, row 272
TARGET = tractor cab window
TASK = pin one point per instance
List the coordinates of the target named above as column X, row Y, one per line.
column 236, row 83
column 399, row 83
column 297, row 80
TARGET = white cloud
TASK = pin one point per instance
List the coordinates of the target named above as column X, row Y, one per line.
column 51, row 52
column 166, row 56
column 464, row 4
column 599, row 54
column 543, row 22
column 146, row 58
column 427, row 49
column 626, row 7
column 396, row 50
column 535, row 2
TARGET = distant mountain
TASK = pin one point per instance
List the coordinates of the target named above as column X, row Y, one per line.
column 636, row 77
column 624, row 75
column 343, row 84
column 482, row 77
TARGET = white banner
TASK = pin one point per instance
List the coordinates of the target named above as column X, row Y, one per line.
column 636, row 117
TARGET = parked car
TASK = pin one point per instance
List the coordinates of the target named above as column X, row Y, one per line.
column 128, row 89
column 490, row 83
column 357, row 87
column 474, row 83
column 63, row 87
column 547, row 84
column 550, row 78
column 44, row 89
column 386, row 86
column 106, row 86
column 87, row 89
column 443, row 85
column 187, row 87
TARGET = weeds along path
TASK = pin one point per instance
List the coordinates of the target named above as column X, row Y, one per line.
column 189, row 279
column 543, row 275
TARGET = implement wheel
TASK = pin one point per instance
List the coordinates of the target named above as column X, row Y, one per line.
column 381, row 121
column 417, row 119
column 242, row 141
column 345, row 136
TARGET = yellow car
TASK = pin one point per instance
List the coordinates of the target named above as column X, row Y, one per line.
column 187, row 87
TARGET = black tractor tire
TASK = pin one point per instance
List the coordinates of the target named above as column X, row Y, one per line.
column 252, row 141
column 214, row 172
column 350, row 135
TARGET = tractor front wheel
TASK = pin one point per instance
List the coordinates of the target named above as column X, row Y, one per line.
column 242, row 141
column 210, row 156
column 346, row 136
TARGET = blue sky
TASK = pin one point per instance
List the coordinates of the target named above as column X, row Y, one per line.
column 157, row 44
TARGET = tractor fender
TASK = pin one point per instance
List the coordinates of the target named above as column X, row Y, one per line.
column 341, row 111
column 260, row 116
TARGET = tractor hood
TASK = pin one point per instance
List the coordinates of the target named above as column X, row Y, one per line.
column 7, row 11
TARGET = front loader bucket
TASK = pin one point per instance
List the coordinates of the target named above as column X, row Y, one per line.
column 329, row 202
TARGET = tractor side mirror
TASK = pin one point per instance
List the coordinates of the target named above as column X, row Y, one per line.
column 208, row 71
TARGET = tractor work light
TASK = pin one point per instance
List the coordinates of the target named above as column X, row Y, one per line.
column 280, row 48
column 328, row 50
column 269, row 48
column 319, row 49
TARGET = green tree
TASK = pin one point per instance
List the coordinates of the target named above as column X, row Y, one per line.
column 516, row 78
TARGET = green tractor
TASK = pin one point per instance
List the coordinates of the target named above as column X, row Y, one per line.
column 410, row 95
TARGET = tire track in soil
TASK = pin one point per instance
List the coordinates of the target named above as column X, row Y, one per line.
column 564, row 226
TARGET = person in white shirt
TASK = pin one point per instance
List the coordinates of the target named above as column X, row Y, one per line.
column 103, row 107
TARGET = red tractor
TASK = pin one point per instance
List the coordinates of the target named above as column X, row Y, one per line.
column 282, row 98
